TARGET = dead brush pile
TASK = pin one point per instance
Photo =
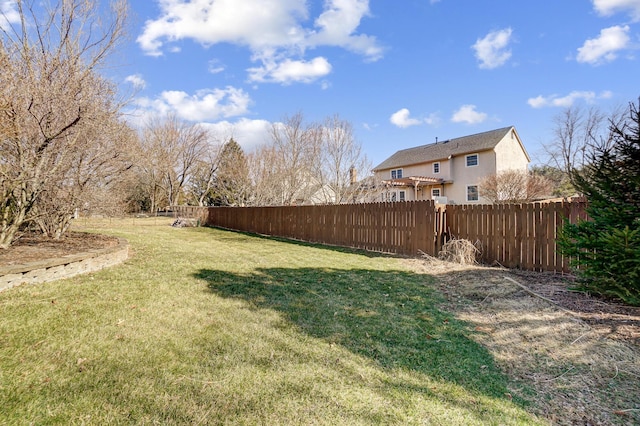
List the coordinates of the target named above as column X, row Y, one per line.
column 462, row 252
column 184, row 223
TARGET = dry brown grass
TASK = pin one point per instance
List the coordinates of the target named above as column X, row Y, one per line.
column 578, row 375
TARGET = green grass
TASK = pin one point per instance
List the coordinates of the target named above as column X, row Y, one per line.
column 204, row 326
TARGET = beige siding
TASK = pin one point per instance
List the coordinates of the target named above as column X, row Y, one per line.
column 510, row 154
column 464, row 176
column 445, row 170
column 416, row 170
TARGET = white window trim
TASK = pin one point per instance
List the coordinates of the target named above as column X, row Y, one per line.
column 436, row 189
column 402, row 195
column 467, row 194
column 466, row 160
column 396, row 170
column 434, row 167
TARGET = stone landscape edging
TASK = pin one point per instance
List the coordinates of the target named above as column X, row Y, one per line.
column 63, row 267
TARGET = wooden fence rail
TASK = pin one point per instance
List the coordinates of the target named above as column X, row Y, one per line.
column 513, row 235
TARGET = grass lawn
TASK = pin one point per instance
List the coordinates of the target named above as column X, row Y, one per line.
column 204, row 326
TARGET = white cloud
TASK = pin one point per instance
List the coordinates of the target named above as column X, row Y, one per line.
column 468, row 114
column 325, row 84
column 433, row 119
column 215, row 67
column 610, row 7
column 248, row 133
column 603, row 49
column 492, row 50
column 338, row 25
column 204, row 105
column 402, row 119
column 8, row 14
column 254, row 23
column 568, row 100
column 137, row 81
column 209, row 108
column 289, row 71
column 273, row 30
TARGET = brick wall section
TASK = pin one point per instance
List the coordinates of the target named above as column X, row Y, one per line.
column 63, row 267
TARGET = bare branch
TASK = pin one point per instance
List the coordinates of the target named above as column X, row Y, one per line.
column 514, row 186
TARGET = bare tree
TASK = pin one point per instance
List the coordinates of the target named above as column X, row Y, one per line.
column 342, row 161
column 203, row 178
column 93, row 170
column 149, row 191
column 294, row 149
column 172, row 150
column 264, row 174
column 573, row 132
column 514, row 186
column 51, row 96
column 576, row 132
column 308, row 164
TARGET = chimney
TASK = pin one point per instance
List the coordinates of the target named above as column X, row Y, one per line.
column 353, row 175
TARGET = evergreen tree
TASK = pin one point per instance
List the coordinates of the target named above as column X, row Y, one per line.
column 606, row 248
column 232, row 178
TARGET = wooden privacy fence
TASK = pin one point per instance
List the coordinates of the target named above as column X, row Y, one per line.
column 403, row 228
column 512, row 235
column 522, row 236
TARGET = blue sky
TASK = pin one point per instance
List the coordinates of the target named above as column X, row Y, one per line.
column 402, row 72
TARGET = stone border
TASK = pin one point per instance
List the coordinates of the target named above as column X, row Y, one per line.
column 63, row 267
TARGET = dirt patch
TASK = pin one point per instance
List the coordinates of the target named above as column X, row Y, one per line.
column 34, row 247
column 609, row 318
column 574, row 356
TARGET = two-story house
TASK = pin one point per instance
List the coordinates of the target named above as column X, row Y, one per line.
column 451, row 170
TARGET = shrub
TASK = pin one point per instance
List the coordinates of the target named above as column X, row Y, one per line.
column 606, row 248
column 608, row 261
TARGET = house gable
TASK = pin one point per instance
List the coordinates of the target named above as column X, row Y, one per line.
column 511, row 153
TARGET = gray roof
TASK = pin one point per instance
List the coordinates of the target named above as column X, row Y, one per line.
column 442, row 150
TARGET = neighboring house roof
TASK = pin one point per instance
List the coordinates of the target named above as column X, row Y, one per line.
column 442, row 150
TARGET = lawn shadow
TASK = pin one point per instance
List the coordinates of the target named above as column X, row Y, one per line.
column 390, row 317
column 241, row 236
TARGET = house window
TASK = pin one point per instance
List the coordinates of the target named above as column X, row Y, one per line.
column 472, row 160
column 402, row 196
column 435, row 192
column 396, row 174
column 436, row 168
column 472, row 193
